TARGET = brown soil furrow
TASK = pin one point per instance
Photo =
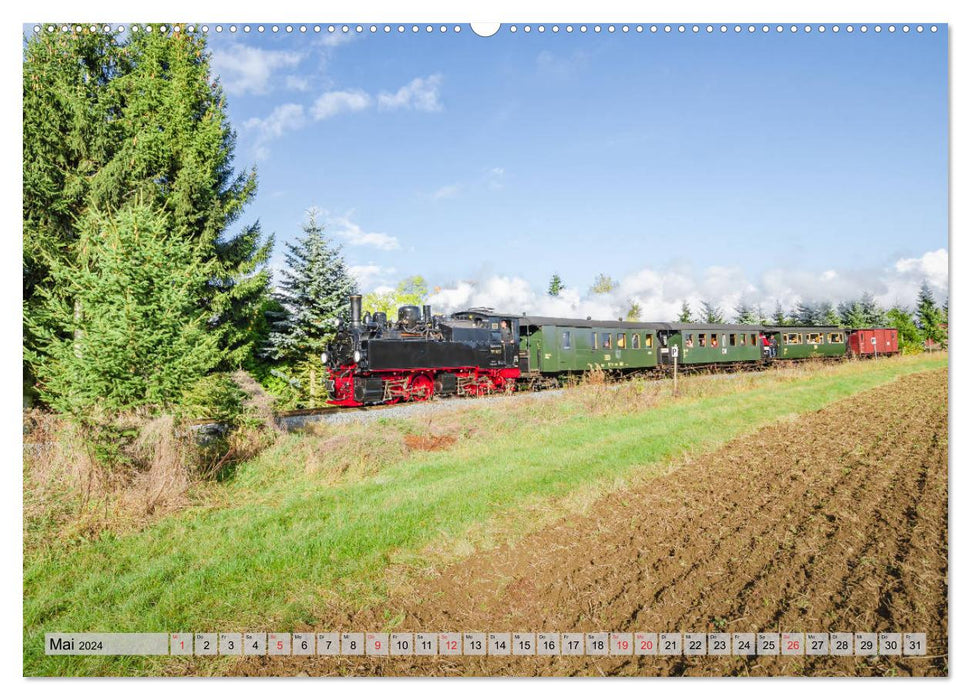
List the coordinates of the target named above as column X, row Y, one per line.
column 783, row 569
column 834, row 521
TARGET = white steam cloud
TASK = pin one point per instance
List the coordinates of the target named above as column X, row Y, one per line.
column 660, row 292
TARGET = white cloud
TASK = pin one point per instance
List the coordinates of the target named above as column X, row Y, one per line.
column 248, row 70
column 368, row 275
column 420, row 94
column 337, row 101
column 286, row 117
column 447, row 191
column 296, row 82
column 660, row 291
column 931, row 266
column 333, row 39
column 354, row 235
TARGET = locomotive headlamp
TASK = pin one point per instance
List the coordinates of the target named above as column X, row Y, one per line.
column 357, row 355
column 323, row 358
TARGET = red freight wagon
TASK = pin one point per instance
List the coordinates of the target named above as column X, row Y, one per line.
column 873, row 341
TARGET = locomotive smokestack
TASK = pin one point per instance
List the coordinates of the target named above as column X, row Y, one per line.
column 426, row 312
column 355, row 309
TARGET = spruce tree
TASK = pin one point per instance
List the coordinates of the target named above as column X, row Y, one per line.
column 556, row 285
column 760, row 315
column 69, row 134
column 745, row 314
column 313, row 291
column 826, row 314
column 121, row 326
column 779, row 315
column 685, row 315
column 872, row 312
column 710, row 313
column 852, row 315
column 929, row 317
column 143, row 123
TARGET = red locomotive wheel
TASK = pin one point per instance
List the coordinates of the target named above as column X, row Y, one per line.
column 421, row 388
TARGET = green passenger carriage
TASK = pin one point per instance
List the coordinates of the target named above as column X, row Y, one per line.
column 708, row 344
column 558, row 345
column 801, row 342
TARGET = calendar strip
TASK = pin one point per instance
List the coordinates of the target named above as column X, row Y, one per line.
column 505, row 644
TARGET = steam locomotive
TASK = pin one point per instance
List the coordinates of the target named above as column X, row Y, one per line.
column 376, row 361
column 373, row 360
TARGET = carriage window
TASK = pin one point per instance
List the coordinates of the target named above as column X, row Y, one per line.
column 714, row 340
column 690, row 342
column 814, row 338
column 635, row 340
column 605, row 341
column 702, row 340
column 621, row 340
column 648, row 340
column 593, row 341
column 731, row 339
column 752, row 337
column 836, row 337
column 793, row 339
column 567, row 340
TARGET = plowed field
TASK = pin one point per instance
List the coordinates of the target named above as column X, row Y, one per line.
column 833, row 521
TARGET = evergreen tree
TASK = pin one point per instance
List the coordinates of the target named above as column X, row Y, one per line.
column 746, row 315
column 929, row 317
column 760, row 316
column 872, row 311
column 710, row 313
column 852, row 315
column 685, row 315
column 826, row 314
column 633, row 310
column 121, row 326
column 111, row 125
column 68, row 134
column 804, row 313
column 556, row 285
column 313, row 291
column 779, row 316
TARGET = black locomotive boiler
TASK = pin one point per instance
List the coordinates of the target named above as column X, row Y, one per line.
column 374, row 360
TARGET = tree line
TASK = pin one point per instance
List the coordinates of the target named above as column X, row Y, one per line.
column 924, row 323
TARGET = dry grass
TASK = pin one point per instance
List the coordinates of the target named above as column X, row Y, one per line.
column 352, row 454
column 82, row 479
column 78, row 483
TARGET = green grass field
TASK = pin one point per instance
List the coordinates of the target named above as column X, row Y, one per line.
column 277, row 546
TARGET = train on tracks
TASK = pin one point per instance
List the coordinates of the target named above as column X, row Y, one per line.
column 373, row 360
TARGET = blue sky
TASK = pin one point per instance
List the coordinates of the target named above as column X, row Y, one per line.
column 710, row 164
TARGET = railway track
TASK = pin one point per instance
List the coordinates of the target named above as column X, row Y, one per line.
column 294, row 420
